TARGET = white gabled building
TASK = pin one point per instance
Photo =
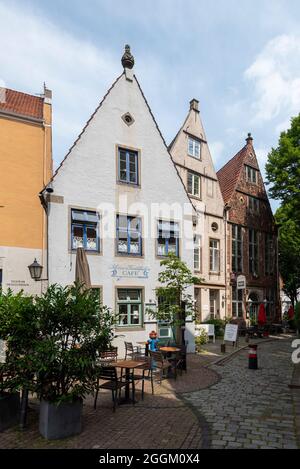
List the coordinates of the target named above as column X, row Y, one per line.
column 191, row 154
column 117, row 193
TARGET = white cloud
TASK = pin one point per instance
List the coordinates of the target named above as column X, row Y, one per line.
column 34, row 50
column 275, row 75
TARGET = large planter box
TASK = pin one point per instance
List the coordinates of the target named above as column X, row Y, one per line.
column 60, row 421
column 9, row 410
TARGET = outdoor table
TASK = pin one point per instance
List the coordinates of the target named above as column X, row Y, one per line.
column 170, row 349
column 127, row 365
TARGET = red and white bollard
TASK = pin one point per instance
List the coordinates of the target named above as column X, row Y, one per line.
column 252, row 357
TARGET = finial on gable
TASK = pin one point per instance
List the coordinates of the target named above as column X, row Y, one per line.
column 194, row 105
column 249, row 139
column 127, row 59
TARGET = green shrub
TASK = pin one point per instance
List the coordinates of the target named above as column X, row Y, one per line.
column 73, row 327
column 219, row 326
column 201, row 339
column 18, row 328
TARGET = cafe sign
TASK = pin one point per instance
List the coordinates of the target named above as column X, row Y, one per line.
column 241, row 282
column 119, row 272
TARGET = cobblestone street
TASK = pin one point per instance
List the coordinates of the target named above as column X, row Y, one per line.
column 252, row 408
column 223, row 405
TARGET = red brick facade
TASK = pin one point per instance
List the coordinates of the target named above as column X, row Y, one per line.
column 249, row 214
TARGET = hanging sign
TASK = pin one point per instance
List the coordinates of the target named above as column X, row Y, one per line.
column 241, row 282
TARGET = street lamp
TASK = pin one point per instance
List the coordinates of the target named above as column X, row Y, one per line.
column 35, row 270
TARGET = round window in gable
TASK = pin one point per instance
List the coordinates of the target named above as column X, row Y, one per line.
column 242, row 201
column 214, row 226
column 128, row 119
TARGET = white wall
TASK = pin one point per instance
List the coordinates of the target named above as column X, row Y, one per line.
column 87, row 179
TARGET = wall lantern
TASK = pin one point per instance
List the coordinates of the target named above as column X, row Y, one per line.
column 35, row 270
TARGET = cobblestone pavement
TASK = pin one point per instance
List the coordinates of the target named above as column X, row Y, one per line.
column 162, row 421
column 252, row 408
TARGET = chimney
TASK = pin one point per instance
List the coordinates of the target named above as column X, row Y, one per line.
column 249, row 139
column 47, row 95
column 194, row 105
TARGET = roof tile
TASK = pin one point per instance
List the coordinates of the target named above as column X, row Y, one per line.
column 21, row 103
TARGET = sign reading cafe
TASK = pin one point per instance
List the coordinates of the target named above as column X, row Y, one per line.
column 119, row 272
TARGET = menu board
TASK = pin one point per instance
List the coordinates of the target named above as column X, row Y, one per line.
column 231, row 332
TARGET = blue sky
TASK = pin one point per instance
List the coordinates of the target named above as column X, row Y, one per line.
column 241, row 59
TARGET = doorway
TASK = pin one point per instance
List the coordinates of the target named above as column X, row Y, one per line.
column 214, row 304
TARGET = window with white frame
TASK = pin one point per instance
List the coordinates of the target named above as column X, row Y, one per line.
column 197, row 252
column 194, row 148
column 168, row 238
column 237, row 248
column 237, row 302
column 269, row 254
column 253, row 204
column 214, row 255
column 193, row 184
column 251, row 174
column 128, row 166
column 253, row 252
column 85, row 230
column 129, row 306
column 129, row 235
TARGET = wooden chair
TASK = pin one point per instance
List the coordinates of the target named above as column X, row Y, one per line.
column 132, row 352
column 178, row 361
column 147, row 374
column 109, row 356
column 159, row 364
column 112, row 383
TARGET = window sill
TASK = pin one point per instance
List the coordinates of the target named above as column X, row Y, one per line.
column 129, row 184
column 195, row 157
column 93, row 253
column 129, row 328
column 134, row 256
column 196, row 197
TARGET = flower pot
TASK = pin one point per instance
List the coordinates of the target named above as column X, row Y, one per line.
column 9, row 410
column 60, row 420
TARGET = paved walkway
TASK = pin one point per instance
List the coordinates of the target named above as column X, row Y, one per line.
column 251, row 408
column 217, row 406
column 162, row 421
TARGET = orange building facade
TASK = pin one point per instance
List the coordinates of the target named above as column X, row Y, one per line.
column 25, row 167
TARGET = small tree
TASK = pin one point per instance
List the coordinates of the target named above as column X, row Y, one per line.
column 174, row 303
column 18, row 328
column 289, row 253
column 73, row 326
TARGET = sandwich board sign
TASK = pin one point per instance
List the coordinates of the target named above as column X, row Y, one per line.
column 231, row 331
column 241, row 282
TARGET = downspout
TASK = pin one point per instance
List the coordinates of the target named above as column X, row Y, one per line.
column 225, row 217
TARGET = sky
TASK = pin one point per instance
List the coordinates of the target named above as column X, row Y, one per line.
column 239, row 58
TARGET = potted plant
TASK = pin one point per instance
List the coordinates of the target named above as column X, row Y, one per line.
column 17, row 332
column 73, row 326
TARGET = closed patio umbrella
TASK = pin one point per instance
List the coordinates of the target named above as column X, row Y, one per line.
column 291, row 312
column 82, row 270
column 262, row 317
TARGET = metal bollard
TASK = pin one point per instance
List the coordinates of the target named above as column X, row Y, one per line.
column 252, row 356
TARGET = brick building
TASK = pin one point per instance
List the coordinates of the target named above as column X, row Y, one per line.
column 251, row 237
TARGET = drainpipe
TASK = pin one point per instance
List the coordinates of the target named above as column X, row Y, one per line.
column 225, row 218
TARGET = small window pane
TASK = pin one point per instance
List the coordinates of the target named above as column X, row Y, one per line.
column 77, row 237
column 134, row 314
column 123, row 317
column 91, row 238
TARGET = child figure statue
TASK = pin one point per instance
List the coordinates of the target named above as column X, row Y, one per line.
column 152, row 341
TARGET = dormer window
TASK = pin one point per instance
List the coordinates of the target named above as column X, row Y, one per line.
column 251, row 174
column 194, row 148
